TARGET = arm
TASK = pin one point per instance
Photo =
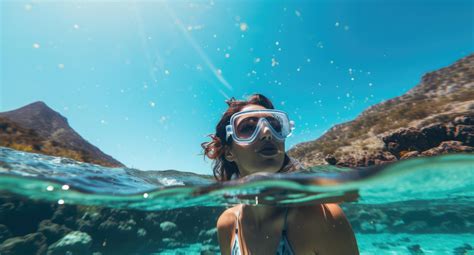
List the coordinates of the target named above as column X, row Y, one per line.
column 225, row 229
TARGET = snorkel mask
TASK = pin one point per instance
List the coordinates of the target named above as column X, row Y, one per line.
column 245, row 126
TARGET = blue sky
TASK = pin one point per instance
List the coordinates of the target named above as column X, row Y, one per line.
column 145, row 81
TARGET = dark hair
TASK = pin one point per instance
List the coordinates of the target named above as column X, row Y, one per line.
column 223, row 169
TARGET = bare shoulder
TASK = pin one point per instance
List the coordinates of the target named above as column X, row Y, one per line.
column 225, row 228
column 334, row 211
column 329, row 223
column 325, row 212
column 227, row 219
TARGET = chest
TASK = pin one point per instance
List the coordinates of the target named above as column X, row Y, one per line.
column 302, row 239
column 265, row 241
column 261, row 240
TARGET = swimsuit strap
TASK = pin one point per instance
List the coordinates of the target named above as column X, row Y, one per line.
column 237, row 216
column 235, row 250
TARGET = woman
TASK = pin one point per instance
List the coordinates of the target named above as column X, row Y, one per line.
column 249, row 139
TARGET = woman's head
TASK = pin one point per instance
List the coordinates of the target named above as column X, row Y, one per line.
column 265, row 153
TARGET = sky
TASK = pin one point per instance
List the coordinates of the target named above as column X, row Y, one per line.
column 146, row 81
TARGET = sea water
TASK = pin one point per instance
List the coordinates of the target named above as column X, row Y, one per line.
column 417, row 206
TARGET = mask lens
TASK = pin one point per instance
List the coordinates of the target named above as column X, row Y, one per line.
column 246, row 126
column 275, row 123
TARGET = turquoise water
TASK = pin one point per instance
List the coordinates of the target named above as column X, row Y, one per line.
column 419, row 206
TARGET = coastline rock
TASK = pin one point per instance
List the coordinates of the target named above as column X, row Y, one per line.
column 464, row 120
column 331, row 160
column 406, row 139
column 448, row 147
column 38, row 128
column 440, row 108
column 377, row 158
column 465, row 133
column 75, row 242
column 435, row 134
column 409, row 154
column 404, row 143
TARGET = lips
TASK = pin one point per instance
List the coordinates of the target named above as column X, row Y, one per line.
column 268, row 149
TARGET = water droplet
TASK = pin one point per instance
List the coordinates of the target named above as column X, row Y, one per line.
column 60, row 201
column 36, row 45
column 65, row 187
column 243, row 26
column 274, row 62
column 50, row 188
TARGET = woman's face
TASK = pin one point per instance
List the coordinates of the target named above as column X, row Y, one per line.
column 260, row 155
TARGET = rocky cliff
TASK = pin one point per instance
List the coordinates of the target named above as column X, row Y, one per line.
column 435, row 117
column 37, row 128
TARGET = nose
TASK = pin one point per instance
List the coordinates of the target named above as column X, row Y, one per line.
column 265, row 132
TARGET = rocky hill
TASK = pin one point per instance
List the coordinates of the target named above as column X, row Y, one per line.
column 37, row 128
column 435, row 117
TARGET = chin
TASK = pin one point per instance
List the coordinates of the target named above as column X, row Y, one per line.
column 271, row 167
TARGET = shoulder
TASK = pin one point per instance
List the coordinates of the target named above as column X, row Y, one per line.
column 225, row 229
column 227, row 219
column 328, row 212
column 329, row 216
column 329, row 222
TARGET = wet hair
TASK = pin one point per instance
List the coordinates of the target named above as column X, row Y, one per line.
column 223, row 169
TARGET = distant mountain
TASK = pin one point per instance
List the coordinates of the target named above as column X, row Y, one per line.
column 436, row 116
column 38, row 128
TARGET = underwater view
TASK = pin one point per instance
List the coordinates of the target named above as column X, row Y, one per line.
column 236, row 127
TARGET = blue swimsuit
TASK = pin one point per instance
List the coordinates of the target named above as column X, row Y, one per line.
column 284, row 247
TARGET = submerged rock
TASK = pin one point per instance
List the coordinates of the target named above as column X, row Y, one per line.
column 167, row 226
column 4, row 233
column 29, row 244
column 75, row 242
column 415, row 249
column 52, row 231
column 463, row 249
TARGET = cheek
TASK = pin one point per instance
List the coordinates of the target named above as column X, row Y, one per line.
column 244, row 151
